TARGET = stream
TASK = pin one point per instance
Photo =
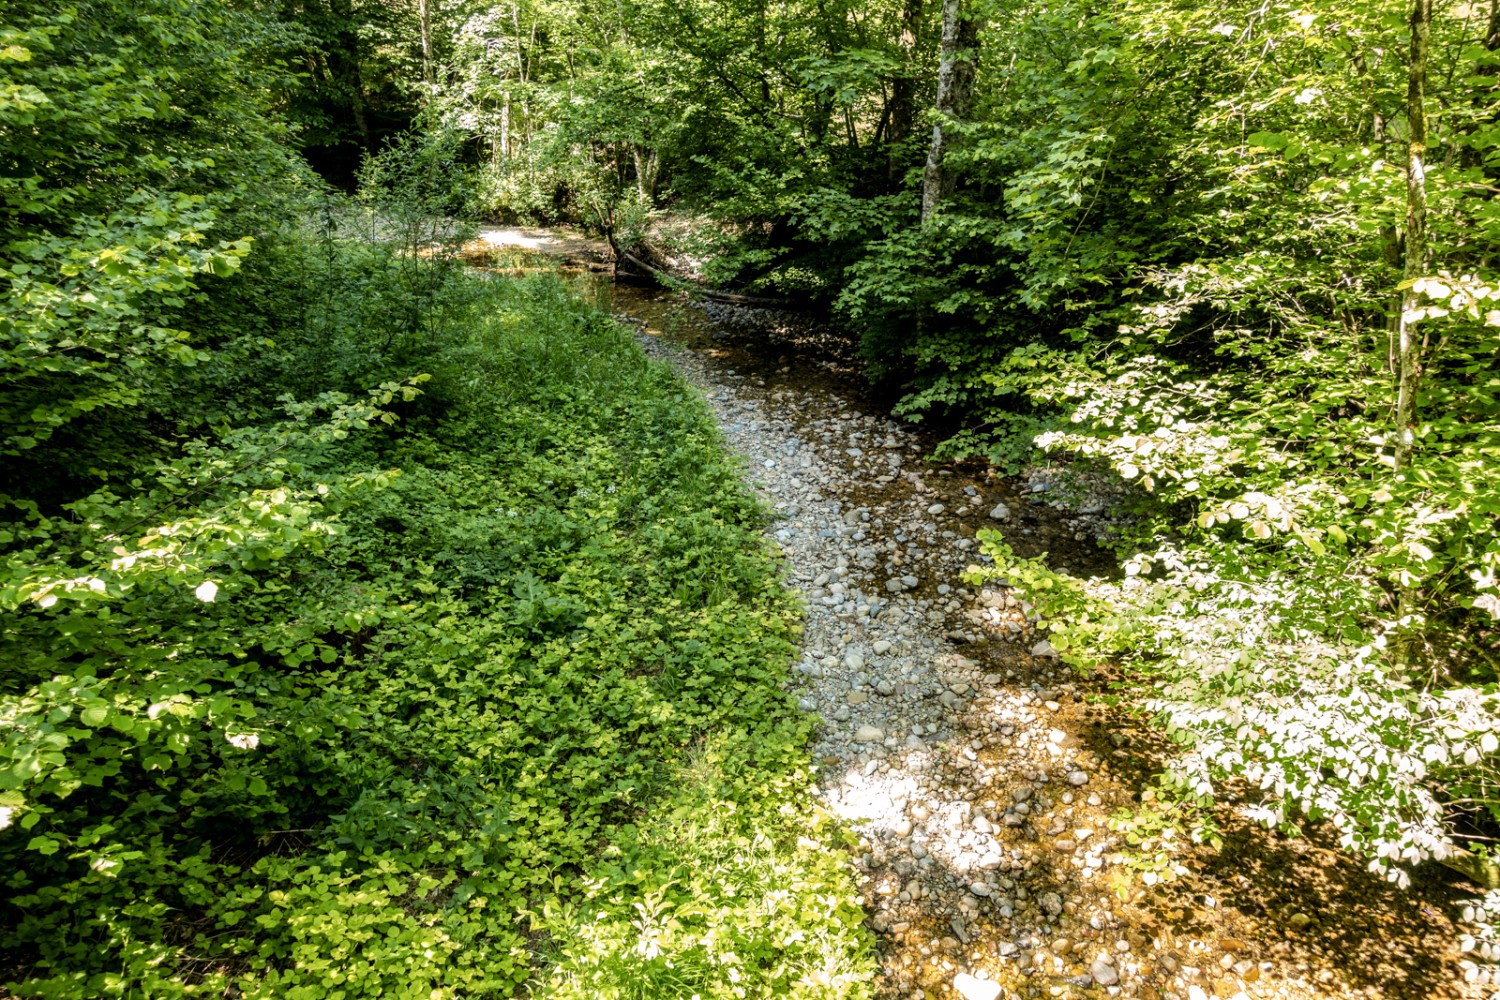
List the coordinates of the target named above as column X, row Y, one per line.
column 984, row 778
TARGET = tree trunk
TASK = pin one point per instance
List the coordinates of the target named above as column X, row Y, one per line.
column 955, row 97
column 903, row 105
column 424, row 19
column 1408, row 345
column 1408, row 348
column 647, row 165
column 357, row 105
column 505, row 125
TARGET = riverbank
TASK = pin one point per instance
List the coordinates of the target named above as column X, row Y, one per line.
column 1005, row 847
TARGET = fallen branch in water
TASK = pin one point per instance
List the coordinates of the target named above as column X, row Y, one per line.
column 669, row 280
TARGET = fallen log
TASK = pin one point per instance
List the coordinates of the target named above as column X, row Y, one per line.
column 1482, row 871
column 669, row 280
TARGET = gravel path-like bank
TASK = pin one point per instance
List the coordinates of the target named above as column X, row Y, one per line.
column 982, row 775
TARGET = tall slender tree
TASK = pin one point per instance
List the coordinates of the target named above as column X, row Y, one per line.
column 957, row 68
column 1408, row 344
column 1409, row 353
column 903, row 103
column 424, row 24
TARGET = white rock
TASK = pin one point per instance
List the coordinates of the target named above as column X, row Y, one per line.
column 1000, row 512
column 1043, row 648
column 1104, row 974
column 868, row 734
column 972, row 988
column 936, row 509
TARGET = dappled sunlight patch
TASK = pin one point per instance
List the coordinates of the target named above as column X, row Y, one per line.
column 723, row 890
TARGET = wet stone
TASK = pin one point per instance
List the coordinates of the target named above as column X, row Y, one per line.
column 1043, row 649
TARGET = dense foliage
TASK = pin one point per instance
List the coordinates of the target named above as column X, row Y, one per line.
column 325, row 566
column 367, row 626
column 1238, row 257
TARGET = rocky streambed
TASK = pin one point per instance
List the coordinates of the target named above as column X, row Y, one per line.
column 988, row 782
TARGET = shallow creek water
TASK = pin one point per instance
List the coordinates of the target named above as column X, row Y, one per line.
column 985, row 779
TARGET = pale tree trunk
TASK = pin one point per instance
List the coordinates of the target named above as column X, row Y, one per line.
column 955, row 97
column 1408, row 348
column 424, row 18
column 505, row 125
column 647, row 166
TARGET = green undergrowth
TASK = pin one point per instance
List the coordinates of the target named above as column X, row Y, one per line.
column 517, row 728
